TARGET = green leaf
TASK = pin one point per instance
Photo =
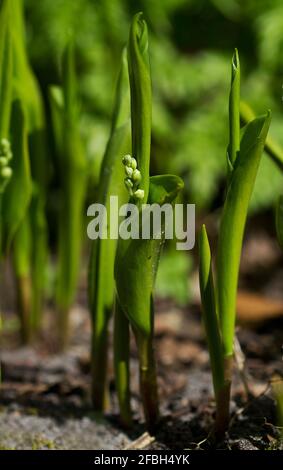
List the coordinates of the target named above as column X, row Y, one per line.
column 21, row 251
column 101, row 266
column 164, row 189
column 140, row 83
column 26, row 89
column 209, row 312
column 121, row 363
column 137, row 260
column 6, row 70
column 72, row 170
column 56, row 102
column 15, row 203
column 233, row 223
column 111, row 183
column 234, row 112
column 272, row 148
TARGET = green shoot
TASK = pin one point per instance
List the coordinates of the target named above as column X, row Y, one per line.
column 219, row 303
column 27, row 91
column 137, row 259
column 72, row 166
column 277, row 388
column 210, row 317
column 101, row 269
column 6, row 73
column 234, row 100
column 122, row 364
column 6, row 61
column 17, row 83
column 14, row 226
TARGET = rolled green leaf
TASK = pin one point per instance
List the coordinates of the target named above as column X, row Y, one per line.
column 234, row 111
column 140, row 82
column 277, row 388
column 27, row 90
column 135, row 272
column 15, row 228
column 6, row 73
column 21, row 256
column 14, row 212
column 6, row 67
column 101, row 268
column 233, row 223
column 72, row 169
column 221, row 366
column 210, row 317
column 137, row 258
column 121, row 364
column 56, row 101
column 219, row 304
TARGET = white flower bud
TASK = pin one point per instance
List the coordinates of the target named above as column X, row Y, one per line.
column 3, row 161
column 129, row 171
column 136, row 176
column 134, row 163
column 128, row 183
column 139, row 194
column 5, row 145
column 9, row 155
column 6, row 173
column 127, row 159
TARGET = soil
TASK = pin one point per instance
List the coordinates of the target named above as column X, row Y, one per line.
column 44, row 396
column 45, row 402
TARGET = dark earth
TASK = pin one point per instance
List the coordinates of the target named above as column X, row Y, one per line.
column 44, row 397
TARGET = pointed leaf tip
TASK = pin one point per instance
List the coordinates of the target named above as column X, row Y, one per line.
column 235, row 58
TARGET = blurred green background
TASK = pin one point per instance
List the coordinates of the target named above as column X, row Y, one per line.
column 191, row 44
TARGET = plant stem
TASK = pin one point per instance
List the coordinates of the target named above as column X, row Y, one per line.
column 148, row 381
column 63, row 327
column 99, row 366
column 1, row 199
column 23, row 288
column 21, row 263
column 220, row 365
column 223, row 400
column 121, row 364
column 234, row 112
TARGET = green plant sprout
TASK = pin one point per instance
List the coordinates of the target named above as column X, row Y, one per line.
column 137, row 259
column 17, row 213
column 72, row 167
column 31, row 239
column 5, row 176
column 277, row 388
column 101, row 268
column 219, row 300
column 14, row 128
column 6, row 71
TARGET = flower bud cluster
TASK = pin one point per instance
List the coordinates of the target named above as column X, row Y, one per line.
column 133, row 177
column 5, row 158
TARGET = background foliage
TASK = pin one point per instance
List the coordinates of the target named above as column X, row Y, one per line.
column 191, row 44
